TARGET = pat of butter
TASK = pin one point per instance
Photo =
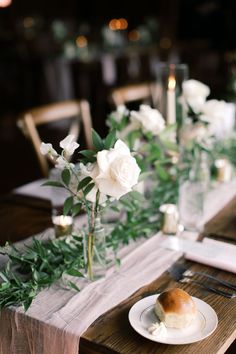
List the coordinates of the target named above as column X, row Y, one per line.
column 158, row 329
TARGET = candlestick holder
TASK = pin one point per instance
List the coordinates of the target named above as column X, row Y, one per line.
column 223, row 170
column 169, row 79
column 170, row 219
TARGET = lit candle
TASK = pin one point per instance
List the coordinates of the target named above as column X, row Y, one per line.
column 62, row 225
column 171, row 219
column 224, row 170
column 171, row 103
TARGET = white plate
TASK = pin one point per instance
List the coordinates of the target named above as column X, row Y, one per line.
column 142, row 316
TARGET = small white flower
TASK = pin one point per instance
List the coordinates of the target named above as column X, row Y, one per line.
column 47, row 149
column 149, row 119
column 194, row 94
column 62, row 163
column 120, row 112
column 118, row 171
column 69, row 145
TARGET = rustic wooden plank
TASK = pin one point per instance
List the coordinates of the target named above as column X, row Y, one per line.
column 112, row 332
column 21, row 218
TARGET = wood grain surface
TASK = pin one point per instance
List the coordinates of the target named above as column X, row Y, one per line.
column 112, row 333
column 22, row 217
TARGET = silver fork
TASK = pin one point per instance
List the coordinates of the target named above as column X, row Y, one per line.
column 210, row 288
column 178, row 276
column 184, row 272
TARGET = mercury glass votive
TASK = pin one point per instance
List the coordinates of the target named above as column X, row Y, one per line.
column 223, row 170
column 170, row 219
column 63, row 225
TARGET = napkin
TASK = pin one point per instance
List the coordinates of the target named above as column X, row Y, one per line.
column 214, row 253
column 34, row 189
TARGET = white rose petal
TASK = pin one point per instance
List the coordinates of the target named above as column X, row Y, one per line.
column 118, row 171
column 69, row 145
column 119, row 113
column 47, row 149
column 194, row 94
column 149, row 119
column 220, row 116
column 91, row 170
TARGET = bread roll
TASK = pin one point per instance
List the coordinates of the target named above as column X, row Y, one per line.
column 176, row 308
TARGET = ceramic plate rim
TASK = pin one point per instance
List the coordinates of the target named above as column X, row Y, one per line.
column 151, row 301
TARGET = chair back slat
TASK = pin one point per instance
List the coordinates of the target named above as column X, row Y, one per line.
column 78, row 111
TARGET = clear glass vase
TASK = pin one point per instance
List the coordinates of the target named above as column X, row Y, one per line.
column 192, row 192
column 95, row 251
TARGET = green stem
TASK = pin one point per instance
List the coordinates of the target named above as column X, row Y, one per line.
column 90, row 256
column 91, row 221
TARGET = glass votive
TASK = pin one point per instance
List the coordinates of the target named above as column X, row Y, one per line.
column 170, row 219
column 63, row 225
column 223, row 170
column 169, row 79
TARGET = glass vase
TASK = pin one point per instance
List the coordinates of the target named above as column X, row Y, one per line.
column 192, row 189
column 95, row 252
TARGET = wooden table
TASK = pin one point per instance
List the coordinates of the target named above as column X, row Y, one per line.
column 111, row 333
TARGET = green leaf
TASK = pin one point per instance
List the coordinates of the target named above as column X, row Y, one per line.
column 73, row 286
column 65, row 176
column 68, row 205
column 84, row 183
column 53, row 184
column 88, row 153
column 76, row 209
column 27, row 303
column 74, row 272
column 110, row 140
column 136, row 195
column 88, row 188
column 3, row 276
column 162, row 173
column 97, row 141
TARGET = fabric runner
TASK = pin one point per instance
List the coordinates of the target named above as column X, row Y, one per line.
column 57, row 318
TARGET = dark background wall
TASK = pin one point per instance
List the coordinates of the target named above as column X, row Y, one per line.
column 200, row 33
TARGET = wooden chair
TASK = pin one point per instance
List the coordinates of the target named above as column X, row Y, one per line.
column 130, row 93
column 77, row 110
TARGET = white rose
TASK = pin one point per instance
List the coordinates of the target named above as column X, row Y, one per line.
column 69, row 145
column 149, row 119
column 47, row 149
column 118, row 171
column 194, row 94
column 91, row 170
column 221, row 117
column 120, row 112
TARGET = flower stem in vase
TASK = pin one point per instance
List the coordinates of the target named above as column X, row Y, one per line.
column 96, row 246
column 90, row 255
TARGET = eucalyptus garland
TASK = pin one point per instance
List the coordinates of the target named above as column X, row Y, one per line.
column 38, row 266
